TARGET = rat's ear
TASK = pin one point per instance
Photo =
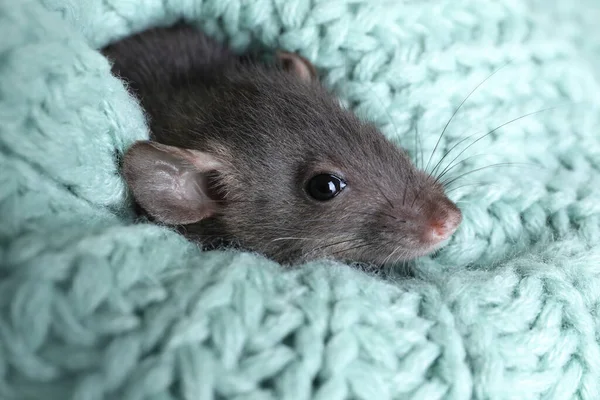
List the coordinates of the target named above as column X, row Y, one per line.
column 170, row 183
column 297, row 65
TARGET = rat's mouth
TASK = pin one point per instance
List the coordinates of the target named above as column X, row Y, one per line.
column 433, row 247
column 433, row 243
column 408, row 253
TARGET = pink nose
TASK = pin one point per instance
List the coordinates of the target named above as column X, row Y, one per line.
column 442, row 229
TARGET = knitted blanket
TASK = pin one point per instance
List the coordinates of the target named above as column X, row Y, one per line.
column 94, row 306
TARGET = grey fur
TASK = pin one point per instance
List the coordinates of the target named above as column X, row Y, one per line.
column 272, row 131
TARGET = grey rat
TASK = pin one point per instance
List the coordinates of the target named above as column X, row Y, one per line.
column 259, row 154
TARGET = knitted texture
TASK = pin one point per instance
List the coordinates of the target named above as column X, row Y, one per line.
column 93, row 306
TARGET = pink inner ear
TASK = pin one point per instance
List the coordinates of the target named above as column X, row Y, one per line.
column 171, row 183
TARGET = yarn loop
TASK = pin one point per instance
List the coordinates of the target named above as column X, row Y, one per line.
column 94, row 306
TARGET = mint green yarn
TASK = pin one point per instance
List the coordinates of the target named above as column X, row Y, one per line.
column 93, row 306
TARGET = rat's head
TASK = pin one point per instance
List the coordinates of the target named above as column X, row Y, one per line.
column 280, row 167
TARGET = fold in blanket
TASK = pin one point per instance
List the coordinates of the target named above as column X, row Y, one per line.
column 93, row 305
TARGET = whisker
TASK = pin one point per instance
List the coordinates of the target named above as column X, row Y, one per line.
column 383, row 106
column 391, row 230
column 292, row 238
column 452, row 148
column 336, row 243
column 457, row 164
column 404, row 264
column 471, row 184
column 420, row 143
column 373, row 214
column 354, row 248
column 421, row 187
column 391, row 120
column 384, row 196
column 449, row 181
column 456, row 111
column 390, row 255
column 495, row 129
column 281, row 228
column 308, row 254
column 416, row 145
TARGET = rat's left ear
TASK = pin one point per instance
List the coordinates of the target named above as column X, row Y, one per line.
column 172, row 184
column 297, row 65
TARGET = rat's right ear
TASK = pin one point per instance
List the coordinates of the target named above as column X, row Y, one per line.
column 297, row 65
column 171, row 183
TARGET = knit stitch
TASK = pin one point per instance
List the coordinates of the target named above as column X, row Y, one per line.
column 94, row 306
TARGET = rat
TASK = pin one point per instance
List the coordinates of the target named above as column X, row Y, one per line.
column 258, row 154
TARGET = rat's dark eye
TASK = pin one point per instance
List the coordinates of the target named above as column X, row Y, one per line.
column 325, row 187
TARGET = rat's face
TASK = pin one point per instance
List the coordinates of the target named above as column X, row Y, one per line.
column 279, row 167
column 361, row 212
column 339, row 189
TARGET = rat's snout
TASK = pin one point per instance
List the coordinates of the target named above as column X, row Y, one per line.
column 442, row 223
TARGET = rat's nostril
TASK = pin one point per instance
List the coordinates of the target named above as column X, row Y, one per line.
column 438, row 231
column 442, row 229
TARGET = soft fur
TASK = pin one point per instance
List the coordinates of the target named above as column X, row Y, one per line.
column 266, row 131
column 95, row 306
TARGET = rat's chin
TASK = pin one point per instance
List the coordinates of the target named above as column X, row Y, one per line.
column 425, row 249
column 429, row 248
